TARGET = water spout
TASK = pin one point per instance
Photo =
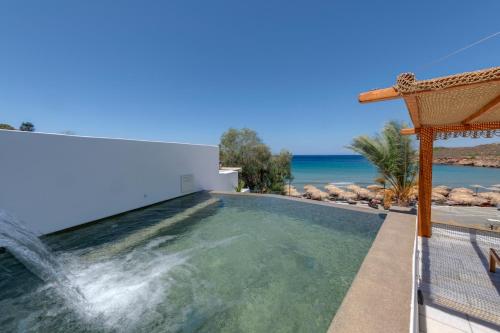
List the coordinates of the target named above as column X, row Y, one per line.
column 28, row 249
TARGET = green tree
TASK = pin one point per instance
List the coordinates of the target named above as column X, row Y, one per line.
column 6, row 127
column 261, row 171
column 27, row 127
column 394, row 156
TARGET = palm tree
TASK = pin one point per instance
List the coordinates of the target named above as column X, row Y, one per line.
column 394, row 157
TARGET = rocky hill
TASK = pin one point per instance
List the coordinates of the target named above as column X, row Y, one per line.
column 487, row 155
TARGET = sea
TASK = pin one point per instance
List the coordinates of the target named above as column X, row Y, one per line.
column 320, row 170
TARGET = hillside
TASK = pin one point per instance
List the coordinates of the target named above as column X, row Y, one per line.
column 487, row 155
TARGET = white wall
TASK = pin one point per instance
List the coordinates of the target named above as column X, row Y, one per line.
column 53, row 182
column 227, row 181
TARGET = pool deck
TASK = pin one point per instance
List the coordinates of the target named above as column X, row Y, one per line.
column 380, row 298
column 458, row 293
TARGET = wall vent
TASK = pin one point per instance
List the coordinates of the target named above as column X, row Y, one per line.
column 187, row 183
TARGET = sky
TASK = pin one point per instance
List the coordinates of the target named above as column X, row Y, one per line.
column 186, row 71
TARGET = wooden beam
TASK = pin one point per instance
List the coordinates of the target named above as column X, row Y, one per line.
column 488, row 107
column 412, row 106
column 493, row 125
column 494, row 260
column 425, row 181
column 408, row 131
column 378, row 95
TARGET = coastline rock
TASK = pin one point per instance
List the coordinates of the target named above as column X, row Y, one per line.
column 485, row 162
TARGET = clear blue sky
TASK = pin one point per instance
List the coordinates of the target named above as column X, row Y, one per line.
column 187, row 70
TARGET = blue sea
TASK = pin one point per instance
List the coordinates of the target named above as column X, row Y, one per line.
column 320, row 170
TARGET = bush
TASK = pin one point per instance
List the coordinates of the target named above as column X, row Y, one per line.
column 27, row 127
column 6, row 127
column 261, row 171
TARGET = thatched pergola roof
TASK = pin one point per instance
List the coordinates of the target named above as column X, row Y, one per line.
column 466, row 104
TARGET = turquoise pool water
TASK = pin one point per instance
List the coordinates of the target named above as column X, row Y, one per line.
column 200, row 263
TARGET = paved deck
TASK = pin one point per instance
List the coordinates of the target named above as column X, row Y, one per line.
column 459, row 293
column 478, row 217
column 380, row 297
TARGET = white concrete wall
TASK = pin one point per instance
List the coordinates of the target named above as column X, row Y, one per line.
column 227, row 181
column 53, row 182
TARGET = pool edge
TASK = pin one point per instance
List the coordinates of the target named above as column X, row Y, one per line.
column 380, row 298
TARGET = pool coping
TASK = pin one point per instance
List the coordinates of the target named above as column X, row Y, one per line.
column 308, row 201
column 382, row 295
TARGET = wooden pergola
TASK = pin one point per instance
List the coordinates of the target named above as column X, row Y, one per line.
column 466, row 105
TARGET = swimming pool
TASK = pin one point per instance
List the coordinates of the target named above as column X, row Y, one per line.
column 200, row 263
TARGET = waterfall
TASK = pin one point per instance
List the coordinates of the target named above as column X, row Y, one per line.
column 26, row 247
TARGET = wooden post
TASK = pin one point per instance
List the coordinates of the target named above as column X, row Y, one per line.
column 425, row 182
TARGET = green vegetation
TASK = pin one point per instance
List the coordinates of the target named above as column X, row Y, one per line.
column 240, row 186
column 261, row 170
column 27, row 127
column 394, row 156
column 6, row 127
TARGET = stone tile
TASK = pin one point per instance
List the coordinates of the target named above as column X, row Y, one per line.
column 434, row 326
column 478, row 328
column 456, row 320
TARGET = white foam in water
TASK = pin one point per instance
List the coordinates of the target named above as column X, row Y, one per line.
column 115, row 291
column 122, row 290
column 26, row 247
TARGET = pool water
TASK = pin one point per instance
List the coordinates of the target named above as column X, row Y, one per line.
column 200, row 263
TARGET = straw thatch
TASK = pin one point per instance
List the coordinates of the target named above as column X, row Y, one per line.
column 462, row 190
column 333, row 190
column 493, row 197
column 464, row 198
column 442, row 189
column 345, row 195
column 448, row 103
column 353, row 188
column 380, row 195
column 290, row 190
column 314, row 193
column 310, row 188
column 438, row 197
column 361, row 193
column 375, row 187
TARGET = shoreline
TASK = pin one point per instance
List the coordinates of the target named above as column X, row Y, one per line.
column 470, row 162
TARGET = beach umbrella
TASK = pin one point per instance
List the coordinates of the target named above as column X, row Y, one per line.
column 462, row 190
column 476, row 187
column 374, row 187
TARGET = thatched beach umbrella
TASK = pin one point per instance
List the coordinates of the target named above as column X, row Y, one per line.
column 344, row 195
column 374, row 187
column 493, row 197
column 333, row 190
column 463, row 198
column 438, row 197
column 442, row 189
column 476, row 187
column 462, row 190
